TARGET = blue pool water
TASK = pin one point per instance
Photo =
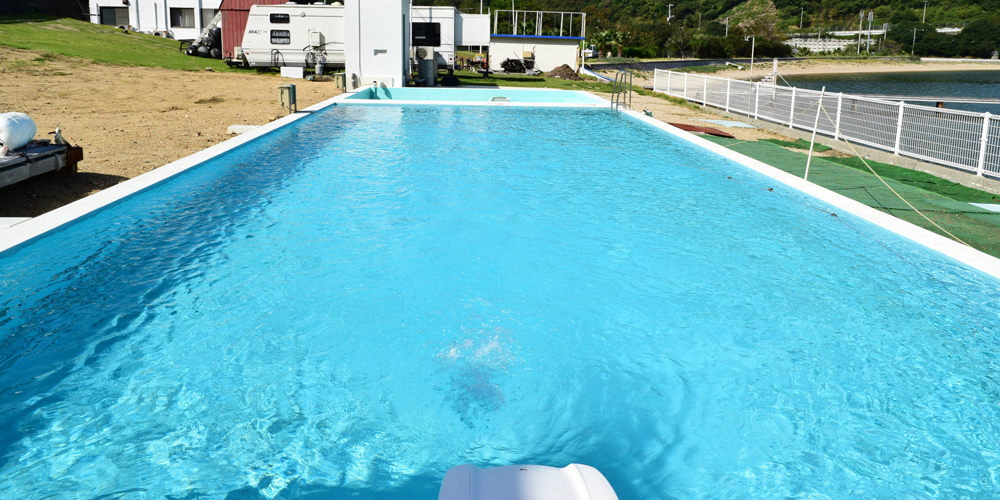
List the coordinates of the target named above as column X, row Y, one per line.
column 467, row 94
column 349, row 306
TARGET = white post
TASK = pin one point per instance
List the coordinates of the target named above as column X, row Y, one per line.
column 729, row 82
column 836, row 126
column 669, row 74
column 812, row 142
column 899, row 128
column 756, row 102
column 791, row 113
column 704, row 93
column 982, row 144
column 685, row 85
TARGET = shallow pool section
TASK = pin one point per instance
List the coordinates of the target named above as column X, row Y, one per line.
column 349, row 306
column 476, row 95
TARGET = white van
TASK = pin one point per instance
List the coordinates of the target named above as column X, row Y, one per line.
column 294, row 35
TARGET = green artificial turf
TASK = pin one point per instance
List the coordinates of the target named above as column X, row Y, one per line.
column 798, row 144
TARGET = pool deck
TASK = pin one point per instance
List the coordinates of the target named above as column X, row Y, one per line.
column 23, row 233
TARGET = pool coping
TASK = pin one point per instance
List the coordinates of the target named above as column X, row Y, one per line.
column 28, row 231
column 346, row 97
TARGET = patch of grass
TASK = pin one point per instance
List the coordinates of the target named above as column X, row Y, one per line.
column 54, row 37
column 798, row 144
column 715, row 68
column 504, row 80
column 921, row 180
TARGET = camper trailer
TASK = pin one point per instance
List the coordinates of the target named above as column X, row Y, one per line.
column 442, row 28
column 294, row 35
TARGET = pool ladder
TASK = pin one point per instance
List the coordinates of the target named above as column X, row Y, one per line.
column 621, row 94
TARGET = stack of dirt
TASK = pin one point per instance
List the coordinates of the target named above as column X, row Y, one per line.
column 565, row 72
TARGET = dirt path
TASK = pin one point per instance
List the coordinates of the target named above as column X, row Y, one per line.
column 128, row 120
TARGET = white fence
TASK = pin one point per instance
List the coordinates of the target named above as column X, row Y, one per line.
column 961, row 139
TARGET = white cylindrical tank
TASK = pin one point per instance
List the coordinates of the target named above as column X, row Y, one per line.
column 16, row 130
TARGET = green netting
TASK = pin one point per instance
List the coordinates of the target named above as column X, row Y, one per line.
column 944, row 202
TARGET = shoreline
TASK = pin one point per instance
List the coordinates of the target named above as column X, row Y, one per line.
column 826, row 67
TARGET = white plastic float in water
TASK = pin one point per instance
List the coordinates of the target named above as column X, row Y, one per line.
column 16, row 130
column 525, row 482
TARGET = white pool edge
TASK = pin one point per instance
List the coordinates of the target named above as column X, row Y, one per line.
column 37, row 227
column 966, row 255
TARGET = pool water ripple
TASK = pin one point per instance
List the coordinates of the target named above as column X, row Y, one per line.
column 354, row 304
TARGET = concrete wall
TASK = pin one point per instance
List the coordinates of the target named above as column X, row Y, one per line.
column 377, row 42
column 150, row 16
column 550, row 52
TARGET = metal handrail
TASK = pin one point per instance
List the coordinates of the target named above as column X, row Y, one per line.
column 622, row 84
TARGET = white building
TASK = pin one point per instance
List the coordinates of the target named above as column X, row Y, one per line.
column 820, row 44
column 178, row 19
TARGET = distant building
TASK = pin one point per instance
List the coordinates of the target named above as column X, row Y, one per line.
column 178, row 19
column 820, row 44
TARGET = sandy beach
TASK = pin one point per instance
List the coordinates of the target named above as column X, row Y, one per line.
column 830, row 67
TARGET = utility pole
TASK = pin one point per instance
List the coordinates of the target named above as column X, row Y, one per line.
column 753, row 44
column 914, row 46
column 801, row 12
column 924, row 20
column 727, row 27
column 868, row 49
column 860, row 27
column 669, row 15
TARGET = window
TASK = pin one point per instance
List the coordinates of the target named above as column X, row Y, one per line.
column 281, row 37
column 279, row 19
column 182, row 18
column 426, row 35
column 207, row 15
column 114, row 16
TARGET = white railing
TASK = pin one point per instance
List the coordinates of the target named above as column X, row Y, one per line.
column 960, row 139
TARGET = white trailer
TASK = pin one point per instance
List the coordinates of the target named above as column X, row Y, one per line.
column 455, row 28
column 294, row 35
column 445, row 17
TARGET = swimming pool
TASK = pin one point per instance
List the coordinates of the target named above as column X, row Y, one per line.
column 306, row 316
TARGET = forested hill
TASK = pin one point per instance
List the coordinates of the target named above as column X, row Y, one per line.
column 603, row 14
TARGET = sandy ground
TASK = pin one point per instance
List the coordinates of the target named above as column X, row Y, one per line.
column 828, row 67
column 128, row 120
